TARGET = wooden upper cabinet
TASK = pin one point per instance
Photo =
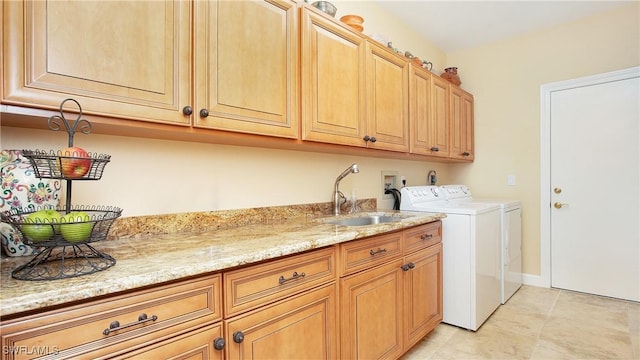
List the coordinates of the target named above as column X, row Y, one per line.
column 387, row 99
column 468, row 135
column 333, row 81
column 420, row 111
column 461, row 123
column 439, row 127
column 125, row 59
column 246, row 67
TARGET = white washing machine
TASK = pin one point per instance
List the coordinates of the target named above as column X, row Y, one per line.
column 510, row 236
column 471, row 254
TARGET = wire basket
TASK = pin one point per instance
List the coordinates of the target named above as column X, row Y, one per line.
column 56, row 165
column 62, row 237
column 62, row 226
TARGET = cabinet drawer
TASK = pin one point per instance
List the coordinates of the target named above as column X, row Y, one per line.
column 85, row 330
column 197, row 344
column 422, row 236
column 362, row 254
column 261, row 284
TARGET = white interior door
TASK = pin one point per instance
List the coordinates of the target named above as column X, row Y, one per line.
column 595, row 188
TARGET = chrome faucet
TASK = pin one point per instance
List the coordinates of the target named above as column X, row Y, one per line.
column 337, row 194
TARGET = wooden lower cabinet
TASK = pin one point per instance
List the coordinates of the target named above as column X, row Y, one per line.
column 115, row 325
column 388, row 307
column 371, row 313
column 422, row 293
column 299, row 327
column 372, row 298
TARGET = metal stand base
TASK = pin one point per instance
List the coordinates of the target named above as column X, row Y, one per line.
column 64, row 262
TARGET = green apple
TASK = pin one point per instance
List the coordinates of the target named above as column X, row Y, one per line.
column 41, row 225
column 76, row 226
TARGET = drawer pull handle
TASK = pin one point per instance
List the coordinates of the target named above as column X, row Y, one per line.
column 379, row 251
column 115, row 325
column 426, row 236
column 294, row 276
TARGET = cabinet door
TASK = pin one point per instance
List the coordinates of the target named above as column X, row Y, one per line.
column 126, row 59
column 439, row 121
column 333, row 82
column 301, row 327
column 461, row 124
column 246, row 66
column 387, row 99
column 197, row 344
column 467, row 141
column 371, row 313
column 419, row 110
column 456, row 122
column 422, row 293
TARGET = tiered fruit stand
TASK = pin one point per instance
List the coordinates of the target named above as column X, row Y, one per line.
column 62, row 257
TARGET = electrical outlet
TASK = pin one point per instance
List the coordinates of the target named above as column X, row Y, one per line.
column 511, row 180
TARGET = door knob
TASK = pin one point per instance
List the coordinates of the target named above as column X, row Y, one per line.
column 557, row 190
column 559, row 205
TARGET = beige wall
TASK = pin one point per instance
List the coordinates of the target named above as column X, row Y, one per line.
column 505, row 78
column 155, row 177
column 152, row 176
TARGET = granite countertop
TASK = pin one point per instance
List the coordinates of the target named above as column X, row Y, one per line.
column 152, row 259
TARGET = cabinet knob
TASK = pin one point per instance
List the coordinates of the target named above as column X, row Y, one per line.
column 204, row 113
column 405, row 267
column 435, row 148
column 187, row 110
column 366, row 138
column 238, row 337
column 219, row 343
column 465, row 154
column 373, row 139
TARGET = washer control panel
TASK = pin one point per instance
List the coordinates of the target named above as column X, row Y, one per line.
column 413, row 195
column 453, row 192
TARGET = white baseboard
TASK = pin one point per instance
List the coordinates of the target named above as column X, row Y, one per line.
column 535, row 280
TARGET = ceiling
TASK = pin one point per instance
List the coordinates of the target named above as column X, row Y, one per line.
column 457, row 25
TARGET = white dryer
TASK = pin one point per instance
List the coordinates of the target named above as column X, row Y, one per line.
column 510, row 236
column 471, row 254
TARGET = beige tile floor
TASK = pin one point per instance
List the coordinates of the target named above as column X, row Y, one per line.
column 542, row 324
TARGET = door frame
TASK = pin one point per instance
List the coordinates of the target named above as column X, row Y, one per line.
column 544, row 280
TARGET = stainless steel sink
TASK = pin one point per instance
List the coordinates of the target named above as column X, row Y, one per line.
column 366, row 220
